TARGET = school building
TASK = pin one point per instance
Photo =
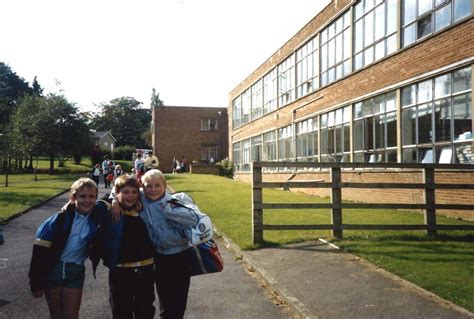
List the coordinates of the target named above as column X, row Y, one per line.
column 375, row 81
column 197, row 133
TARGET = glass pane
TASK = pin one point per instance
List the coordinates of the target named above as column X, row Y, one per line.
column 358, row 110
column 442, row 17
column 391, row 16
column 463, row 153
column 359, row 36
column 379, row 131
column 331, row 52
column 368, row 107
column 409, row 155
column 339, row 139
column 425, row 91
column 390, row 101
column 391, row 119
column 424, row 6
column 408, row 95
column 359, row 61
column 347, row 138
column 426, row 155
column 379, row 22
column 409, row 126
column 369, row 55
column 462, row 8
column 379, row 50
column 425, row 132
column 359, row 9
column 391, row 44
column 442, row 86
column 424, row 27
column 339, row 48
column 379, row 102
column 409, row 35
column 442, row 119
column 409, row 11
column 347, row 44
column 444, row 155
column 358, row 135
column 369, row 29
column 462, row 115
column 462, row 80
column 369, row 133
column 392, row 156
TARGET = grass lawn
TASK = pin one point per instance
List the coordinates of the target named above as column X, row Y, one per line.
column 444, row 266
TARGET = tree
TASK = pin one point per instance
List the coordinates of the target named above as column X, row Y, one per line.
column 12, row 87
column 124, row 118
column 155, row 99
column 51, row 126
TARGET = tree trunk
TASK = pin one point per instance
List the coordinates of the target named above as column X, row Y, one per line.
column 30, row 166
column 51, row 165
column 36, row 167
column 7, row 166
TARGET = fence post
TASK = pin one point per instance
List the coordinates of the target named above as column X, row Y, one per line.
column 430, row 211
column 257, row 213
column 336, row 200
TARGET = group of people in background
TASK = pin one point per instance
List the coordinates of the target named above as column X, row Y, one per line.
column 140, row 236
column 179, row 166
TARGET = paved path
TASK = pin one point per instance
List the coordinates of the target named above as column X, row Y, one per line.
column 230, row 294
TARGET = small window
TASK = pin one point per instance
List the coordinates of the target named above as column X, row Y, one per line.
column 208, row 124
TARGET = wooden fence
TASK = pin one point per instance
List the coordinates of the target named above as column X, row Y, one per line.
column 336, row 205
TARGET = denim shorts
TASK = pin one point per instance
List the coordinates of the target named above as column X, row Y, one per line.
column 67, row 275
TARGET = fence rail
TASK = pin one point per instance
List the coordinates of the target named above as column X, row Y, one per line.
column 336, row 205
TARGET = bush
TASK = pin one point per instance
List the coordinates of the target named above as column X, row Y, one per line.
column 124, row 152
column 226, row 168
column 77, row 159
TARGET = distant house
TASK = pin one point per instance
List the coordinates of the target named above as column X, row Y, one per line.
column 105, row 140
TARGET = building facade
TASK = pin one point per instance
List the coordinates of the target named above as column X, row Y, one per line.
column 363, row 81
column 197, row 133
column 105, row 140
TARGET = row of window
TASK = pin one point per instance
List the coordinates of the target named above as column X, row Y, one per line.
column 436, row 127
column 365, row 33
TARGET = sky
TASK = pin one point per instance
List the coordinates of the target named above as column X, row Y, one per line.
column 193, row 52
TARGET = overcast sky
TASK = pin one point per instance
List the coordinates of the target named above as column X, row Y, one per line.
column 193, row 52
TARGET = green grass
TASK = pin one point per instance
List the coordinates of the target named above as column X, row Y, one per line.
column 444, row 265
column 23, row 191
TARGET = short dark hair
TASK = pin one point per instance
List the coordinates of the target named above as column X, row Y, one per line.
column 125, row 180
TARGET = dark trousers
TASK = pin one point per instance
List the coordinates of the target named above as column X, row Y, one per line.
column 132, row 293
column 106, row 182
column 96, row 179
column 172, row 283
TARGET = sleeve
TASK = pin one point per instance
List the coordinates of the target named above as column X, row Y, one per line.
column 43, row 256
column 184, row 217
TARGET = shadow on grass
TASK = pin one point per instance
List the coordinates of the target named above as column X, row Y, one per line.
column 15, row 198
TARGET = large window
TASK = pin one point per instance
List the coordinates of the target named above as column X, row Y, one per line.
column 375, row 31
column 257, row 99
column 335, row 135
column 256, row 148
column 236, row 110
column 269, row 148
column 375, row 129
column 246, row 100
column 270, row 91
column 208, row 152
column 285, row 144
column 437, row 119
column 336, row 50
column 307, row 140
column 423, row 17
column 307, row 68
column 246, row 155
column 236, row 157
column 286, row 81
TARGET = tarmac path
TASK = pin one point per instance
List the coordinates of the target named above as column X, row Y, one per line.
column 232, row 293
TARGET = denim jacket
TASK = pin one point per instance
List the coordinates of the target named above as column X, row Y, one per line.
column 167, row 224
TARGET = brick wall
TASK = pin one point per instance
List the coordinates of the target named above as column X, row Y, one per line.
column 177, row 132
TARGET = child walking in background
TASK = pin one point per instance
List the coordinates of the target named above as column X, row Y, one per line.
column 60, row 250
column 127, row 251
